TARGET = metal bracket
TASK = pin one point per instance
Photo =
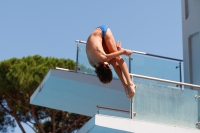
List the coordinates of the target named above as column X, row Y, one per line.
column 128, row 58
column 196, row 96
column 79, row 49
column 134, row 113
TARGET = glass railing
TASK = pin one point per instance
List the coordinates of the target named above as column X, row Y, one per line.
column 162, row 104
column 155, row 101
column 140, row 64
column 156, row 67
column 83, row 66
column 166, row 104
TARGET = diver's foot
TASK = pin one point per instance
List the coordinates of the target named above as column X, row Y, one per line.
column 131, row 90
column 126, row 90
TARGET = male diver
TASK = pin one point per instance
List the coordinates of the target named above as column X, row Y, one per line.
column 102, row 50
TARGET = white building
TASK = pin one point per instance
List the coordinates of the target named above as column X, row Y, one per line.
column 191, row 40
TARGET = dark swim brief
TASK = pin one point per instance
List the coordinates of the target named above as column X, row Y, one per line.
column 104, row 28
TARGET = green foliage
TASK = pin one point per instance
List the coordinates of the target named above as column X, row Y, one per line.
column 47, row 126
column 18, row 80
column 25, row 74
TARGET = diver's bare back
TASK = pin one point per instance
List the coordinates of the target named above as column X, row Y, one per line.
column 94, row 49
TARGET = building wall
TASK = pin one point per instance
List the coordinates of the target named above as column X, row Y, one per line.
column 191, row 40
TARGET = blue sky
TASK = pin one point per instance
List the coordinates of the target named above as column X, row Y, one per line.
column 50, row 28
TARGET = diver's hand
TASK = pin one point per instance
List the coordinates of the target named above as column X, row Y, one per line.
column 127, row 52
column 119, row 45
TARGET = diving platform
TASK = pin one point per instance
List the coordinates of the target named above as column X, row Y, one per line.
column 78, row 93
column 162, row 103
column 156, row 109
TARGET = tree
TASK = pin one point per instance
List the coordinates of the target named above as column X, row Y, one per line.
column 18, row 80
column 6, row 121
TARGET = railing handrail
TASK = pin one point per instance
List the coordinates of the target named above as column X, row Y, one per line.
column 115, row 109
column 79, row 41
column 103, row 107
column 150, row 78
column 143, row 53
column 165, row 80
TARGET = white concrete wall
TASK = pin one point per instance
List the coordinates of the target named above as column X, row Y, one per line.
column 110, row 124
column 191, row 40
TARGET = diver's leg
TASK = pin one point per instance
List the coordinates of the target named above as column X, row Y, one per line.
column 120, row 75
column 111, row 45
column 117, row 70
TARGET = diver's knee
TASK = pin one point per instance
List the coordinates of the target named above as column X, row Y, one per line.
column 113, row 62
column 118, row 58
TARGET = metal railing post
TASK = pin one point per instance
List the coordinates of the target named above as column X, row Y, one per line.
column 132, row 100
column 132, row 108
column 180, row 75
column 77, row 51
